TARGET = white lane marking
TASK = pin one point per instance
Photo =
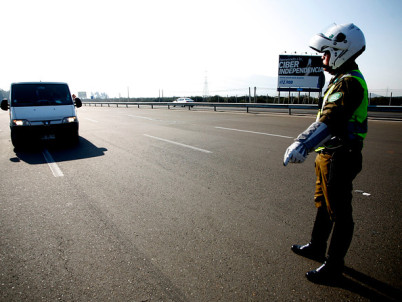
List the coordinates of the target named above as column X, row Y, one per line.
column 363, row 193
column 253, row 132
column 91, row 120
column 179, row 144
column 52, row 164
column 143, row 117
column 153, row 119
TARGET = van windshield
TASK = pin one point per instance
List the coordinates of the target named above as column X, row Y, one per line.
column 40, row 94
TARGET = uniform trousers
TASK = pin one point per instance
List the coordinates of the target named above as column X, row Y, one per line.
column 335, row 171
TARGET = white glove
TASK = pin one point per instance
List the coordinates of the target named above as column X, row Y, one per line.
column 314, row 136
column 295, row 153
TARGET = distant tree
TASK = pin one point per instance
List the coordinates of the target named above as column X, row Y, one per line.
column 3, row 94
column 100, row 95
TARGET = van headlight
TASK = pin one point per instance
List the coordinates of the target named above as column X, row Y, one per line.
column 21, row 123
column 70, row 119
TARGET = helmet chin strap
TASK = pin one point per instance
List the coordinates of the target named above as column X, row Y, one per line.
column 329, row 69
column 341, row 68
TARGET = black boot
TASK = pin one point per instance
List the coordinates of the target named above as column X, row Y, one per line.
column 329, row 272
column 317, row 248
column 311, row 251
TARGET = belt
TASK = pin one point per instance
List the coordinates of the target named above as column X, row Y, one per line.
column 327, row 151
column 345, row 148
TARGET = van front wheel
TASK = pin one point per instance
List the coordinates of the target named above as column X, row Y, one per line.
column 16, row 139
column 73, row 137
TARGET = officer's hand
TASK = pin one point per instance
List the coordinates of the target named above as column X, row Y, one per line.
column 295, row 153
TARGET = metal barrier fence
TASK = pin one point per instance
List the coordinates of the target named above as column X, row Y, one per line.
column 246, row 106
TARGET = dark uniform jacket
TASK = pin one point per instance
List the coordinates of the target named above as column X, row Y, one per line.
column 342, row 102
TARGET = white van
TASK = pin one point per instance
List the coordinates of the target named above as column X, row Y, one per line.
column 41, row 110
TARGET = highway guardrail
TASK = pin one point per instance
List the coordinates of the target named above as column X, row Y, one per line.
column 246, row 106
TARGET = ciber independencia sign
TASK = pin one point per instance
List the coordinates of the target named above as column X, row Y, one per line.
column 300, row 73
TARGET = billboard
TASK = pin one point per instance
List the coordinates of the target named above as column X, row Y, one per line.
column 300, row 73
column 82, row 94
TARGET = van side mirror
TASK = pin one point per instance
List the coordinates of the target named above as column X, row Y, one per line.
column 4, row 104
column 78, row 102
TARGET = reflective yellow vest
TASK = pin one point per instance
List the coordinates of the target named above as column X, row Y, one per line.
column 357, row 125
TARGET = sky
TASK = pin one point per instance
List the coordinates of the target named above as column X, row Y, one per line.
column 138, row 48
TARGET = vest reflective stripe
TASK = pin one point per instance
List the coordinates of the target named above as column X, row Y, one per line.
column 324, row 101
column 358, row 122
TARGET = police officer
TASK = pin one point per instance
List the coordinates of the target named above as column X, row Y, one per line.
column 337, row 136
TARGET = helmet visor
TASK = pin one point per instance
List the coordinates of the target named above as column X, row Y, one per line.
column 332, row 37
column 320, row 42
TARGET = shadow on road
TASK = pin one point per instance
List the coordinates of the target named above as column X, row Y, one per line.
column 367, row 287
column 61, row 152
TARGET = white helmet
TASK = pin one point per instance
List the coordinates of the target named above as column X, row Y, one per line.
column 344, row 42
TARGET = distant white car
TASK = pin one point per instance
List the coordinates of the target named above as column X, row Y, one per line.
column 183, row 101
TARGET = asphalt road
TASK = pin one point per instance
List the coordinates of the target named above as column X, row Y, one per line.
column 179, row 205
